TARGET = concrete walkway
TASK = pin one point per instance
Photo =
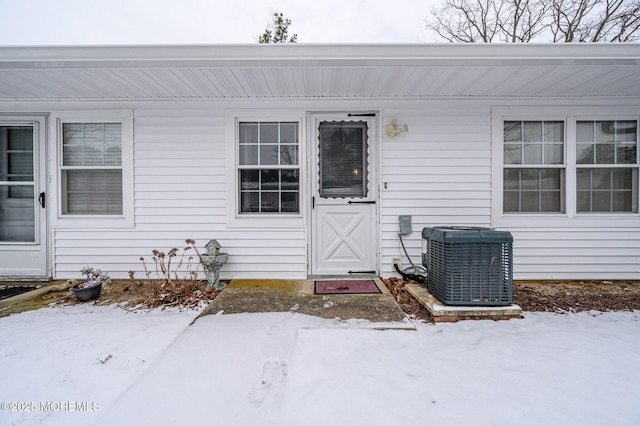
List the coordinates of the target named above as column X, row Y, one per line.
column 291, row 295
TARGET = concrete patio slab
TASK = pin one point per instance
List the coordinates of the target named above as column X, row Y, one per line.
column 443, row 313
column 297, row 295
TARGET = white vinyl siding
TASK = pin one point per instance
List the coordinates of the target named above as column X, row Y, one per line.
column 439, row 172
column 578, row 253
column 181, row 192
column 582, row 242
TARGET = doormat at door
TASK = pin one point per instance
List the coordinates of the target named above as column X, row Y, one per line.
column 10, row 291
column 346, row 287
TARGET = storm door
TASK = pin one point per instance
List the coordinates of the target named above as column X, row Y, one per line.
column 22, row 199
column 344, row 209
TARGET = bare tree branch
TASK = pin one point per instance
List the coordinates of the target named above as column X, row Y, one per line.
column 466, row 21
column 522, row 21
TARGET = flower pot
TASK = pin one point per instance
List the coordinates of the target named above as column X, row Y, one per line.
column 86, row 294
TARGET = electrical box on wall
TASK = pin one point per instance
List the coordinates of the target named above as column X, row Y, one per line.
column 405, row 225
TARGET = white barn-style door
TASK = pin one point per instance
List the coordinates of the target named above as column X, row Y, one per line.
column 344, row 204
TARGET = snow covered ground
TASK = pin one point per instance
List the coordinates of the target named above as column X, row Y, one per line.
column 86, row 364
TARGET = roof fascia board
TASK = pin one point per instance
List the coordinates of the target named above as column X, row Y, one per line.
column 317, row 55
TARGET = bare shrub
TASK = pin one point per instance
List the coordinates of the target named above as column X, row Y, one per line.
column 173, row 279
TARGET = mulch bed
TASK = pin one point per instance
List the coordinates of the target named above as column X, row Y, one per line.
column 407, row 302
column 547, row 296
column 577, row 296
column 544, row 296
column 151, row 294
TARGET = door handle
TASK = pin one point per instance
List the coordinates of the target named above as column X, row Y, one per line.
column 42, row 199
column 361, row 202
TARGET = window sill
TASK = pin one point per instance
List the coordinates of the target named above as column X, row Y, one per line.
column 259, row 221
column 96, row 222
column 618, row 220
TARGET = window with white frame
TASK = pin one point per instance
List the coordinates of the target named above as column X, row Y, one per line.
column 268, row 167
column 91, row 169
column 533, row 166
column 95, row 168
column 568, row 165
column 607, row 166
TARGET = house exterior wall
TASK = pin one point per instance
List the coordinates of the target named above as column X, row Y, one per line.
column 439, row 172
column 180, row 192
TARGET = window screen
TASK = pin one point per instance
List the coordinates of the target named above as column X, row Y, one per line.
column 343, row 159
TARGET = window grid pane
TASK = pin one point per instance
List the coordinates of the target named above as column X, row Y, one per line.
column 533, row 142
column 269, row 178
column 533, row 191
column 607, row 142
column 269, row 191
column 268, row 144
column 607, row 190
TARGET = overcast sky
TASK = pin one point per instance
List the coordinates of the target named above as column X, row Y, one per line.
column 73, row 22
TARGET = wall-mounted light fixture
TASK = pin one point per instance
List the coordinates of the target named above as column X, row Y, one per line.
column 393, row 129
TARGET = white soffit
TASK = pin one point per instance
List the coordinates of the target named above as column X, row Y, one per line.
column 319, row 71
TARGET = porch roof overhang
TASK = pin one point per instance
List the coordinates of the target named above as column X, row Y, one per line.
column 304, row 71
